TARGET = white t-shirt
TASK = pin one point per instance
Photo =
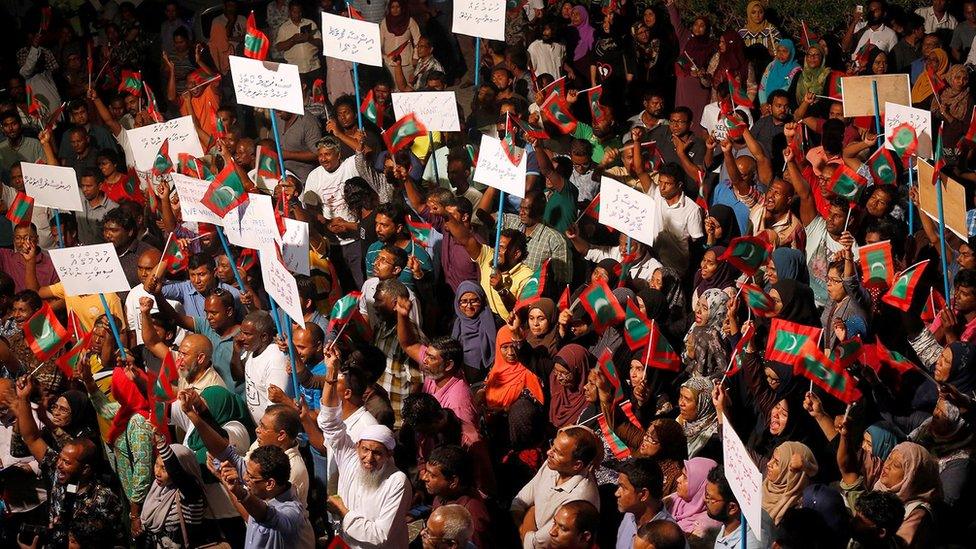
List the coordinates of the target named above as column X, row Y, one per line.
column 134, row 317
column 324, row 189
column 368, row 298
column 933, row 23
column 547, row 58
column 711, row 120
column 260, row 372
column 884, row 39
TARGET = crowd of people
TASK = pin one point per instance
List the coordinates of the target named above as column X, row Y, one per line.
column 471, row 371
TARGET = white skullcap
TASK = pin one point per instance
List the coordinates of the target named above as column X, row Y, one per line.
column 378, row 433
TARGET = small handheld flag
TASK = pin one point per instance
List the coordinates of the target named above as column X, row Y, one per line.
column 256, row 43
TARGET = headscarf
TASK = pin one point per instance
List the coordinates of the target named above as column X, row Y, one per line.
column 399, row 24
column 782, row 493
column 733, row 60
column 568, row 402
column 921, row 480
column 477, row 335
column 756, row 28
column 779, row 73
column 961, row 374
column 131, row 400
column 691, row 514
column 700, row 430
column 701, row 48
column 611, row 339
column 955, row 102
column 83, row 417
column 726, row 219
column 812, row 79
column 224, row 407
column 507, row 381
column 923, row 86
column 954, row 440
column 585, row 31
column 798, row 304
column 875, row 53
column 882, row 442
column 159, row 508
column 673, row 453
column 791, row 264
column 549, row 340
column 723, row 277
column 710, row 350
column 612, row 268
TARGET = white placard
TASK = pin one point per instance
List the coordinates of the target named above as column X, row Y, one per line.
column 252, row 224
column 437, row 111
column 743, row 476
column 191, row 191
column 52, row 186
column 88, row 270
column 351, row 39
column 294, row 246
column 145, row 141
column 267, row 84
column 480, row 18
column 895, row 115
column 280, row 284
column 629, row 211
column 496, row 170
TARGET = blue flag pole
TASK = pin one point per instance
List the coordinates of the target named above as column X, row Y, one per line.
column 477, row 63
column 111, row 324
column 57, row 221
column 498, row 225
column 277, row 139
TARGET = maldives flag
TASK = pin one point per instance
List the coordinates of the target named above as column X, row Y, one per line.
column 609, row 371
column 905, row 142
column 877, row 355
column 68, row 362
column 193, row 167
column 534, row 287
column 882, row 166
column 744, row 339
column 734, row 125
column 419, row 230
column 220, row 131
column 343, row 309
column 563, row 304
column 809, row 38
column 747, row 253
column 933, row 305
column 637, row 327
column 354, row 13
column 558, row 86
column 151, row 108
column 372, row 110
column 593, row 210
column 44, row 334
column 862, row 56
column 528, row 130
column 318, row 91
column 225, row 193
column 738, row 94
column 255, row 42
column 786, row 340
column 835, row 87
column 847, row 352
column 162, row 165
column 597, row 111
column 247, row 259
column 269, row 170
column 131, row 82
column 662, row 355
column 903, row 288
column 939, row 163
column 556, row 110
column 938, row 83
column 971, row 131
column 757, row 300
column 877, row 265
column 174, row 257
column 19, row 211
column 617, row 446
column 33, row 105
column 846, row 183
column 402, row 133
column 602, row 306
column 55, row 116
column 825, row 373
column 513, row 152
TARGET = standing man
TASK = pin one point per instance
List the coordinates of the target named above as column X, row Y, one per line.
column 95, row 207
column 296, row 39
column 120, row 228
column 721, row 505
column 264, row 364
column 639, row 487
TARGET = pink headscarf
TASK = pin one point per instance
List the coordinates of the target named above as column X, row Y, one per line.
column 691, row 514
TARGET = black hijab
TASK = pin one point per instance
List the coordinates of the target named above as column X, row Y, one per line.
column 798, row 304
column 726, row 219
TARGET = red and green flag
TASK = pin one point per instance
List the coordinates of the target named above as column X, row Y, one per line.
column 556, row 110
column 847, row 352
column 256, row 43
column 534, row 287
column 835, row 88
column 33, row 104
column 19, row 211
column 220, row 131
column 602, row 306
column 877, row 264
column 617, row 446
column 419, row 230
column 162, row 165
column 810, row 39
column 269, row 169
column 247, row 259
column 402, row 133
column 131, row 82
column 736, row 364
column 939, row 159
column 343, row 309
column 558, row 87
column 530, row 132
column 318, row 91
column 938, row 83
column 190, row 166
column 609, row 371
column 68, row 362
column 55, row 116
column 882, row 166
column 787, row 339
column 174, row 256
column 863, row 56
column 847, row 183
column 226, row 192
column 877, row 355
column 44, row 333
column 513, row 152
column 593, row 209
column 905, row 142
column 826, row 373
column 637, row 327
column 151, row 107
column 747, row 253
column 903, row 288
column 738, row 94
column 971, row 131
column 662, row 355
column 372, row 110
column 354, row 13
column 933, row 305
column 168, row 379
column 757, row 300
column 597, row 111
column 563, row 304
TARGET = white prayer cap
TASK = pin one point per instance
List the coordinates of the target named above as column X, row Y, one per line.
column 378, row 433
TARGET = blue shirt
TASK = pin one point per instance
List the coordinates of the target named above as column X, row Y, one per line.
column 193, row 300
column 313, row 397
column 223, row 352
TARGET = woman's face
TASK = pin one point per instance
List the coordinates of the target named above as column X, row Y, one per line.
column 683, row 485
column 756, row 14
column 699, row 27
column 575, row 17
column 893, row 471
column 538, row 322
column 959, row 80
column 657, row 280
column 943, row 366
column 708, row 265
column 590, row 389
column 159, row 470
column 650, row 445
column 778, row 418
column 567, row 11
column 61, row 413
column 814, row 57
column 223, row 271
column 638, row 382
column 599, row 273
column 772, row 378
column 649, row 18
column 773, row 467
column 687, row 404
column 777, row 301
column 563, row 376
column 470, row 304
column 701, row 312
column 835, row 286
column 395, row 9
column 106, row 167
column 880, row 65
column 510, row 351
column 782, row 54
column 771, row 275
column 723, row 46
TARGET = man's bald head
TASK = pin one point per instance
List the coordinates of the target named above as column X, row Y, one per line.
column 194, row 356
column 146, row 263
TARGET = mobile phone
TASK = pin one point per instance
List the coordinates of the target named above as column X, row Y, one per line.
column 305, row 29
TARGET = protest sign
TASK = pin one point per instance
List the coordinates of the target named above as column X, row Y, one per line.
column 88, row 270
column 280, row 284
column 744, row 478
column 629, row 211
column 145, row 141
column 953, row 200
column 480, row 18
column 266, row 84
column 351, row 40
column 437, row 111
column 858, row 99
column 52, row 186
column 252, row 224
column 294, row 246
column 895, row 115
column 496, row 170
column 191, row 191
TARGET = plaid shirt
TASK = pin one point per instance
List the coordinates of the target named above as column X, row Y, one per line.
column 400, row 377
column 544, row 242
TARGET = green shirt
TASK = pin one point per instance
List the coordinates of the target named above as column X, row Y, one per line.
column 585, row 132
column 560, row 209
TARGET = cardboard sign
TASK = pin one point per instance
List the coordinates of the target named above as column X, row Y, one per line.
column 267, row 85
column 52, row 186
column 280, row 284
column 858, row 98
column 191, row 191
column 145, row 141
column 953, row 200
column 744, row 478
column 496, row 170
column 480, row 18
column 437, row 111
column 351, row 40
column 629, row 211
column 88, row 270
column 252, row 225
column 294, row 246
column 895, row 115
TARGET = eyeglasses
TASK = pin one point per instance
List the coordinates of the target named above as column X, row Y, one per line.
column 469, row 302
column 439, row 542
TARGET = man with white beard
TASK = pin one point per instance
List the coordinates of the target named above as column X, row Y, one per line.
column 373, row 495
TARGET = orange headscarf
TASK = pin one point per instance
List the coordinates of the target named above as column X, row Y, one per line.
column 506, row 381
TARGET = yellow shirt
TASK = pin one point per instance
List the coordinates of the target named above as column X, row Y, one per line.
column 88, row 308
column 519, row 275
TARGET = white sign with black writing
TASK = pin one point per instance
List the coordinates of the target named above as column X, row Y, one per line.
column 294, row 246
column 146, row 141
column 267, row 85
column 480, row 18
column 252, row 224
column 496, row 170
column 351, row 39
column 437, row 111
column 629, row 211
column 896, row 115
column 744, row 478
column 52, row 186
column 280, row 284
column 88, row 270
column 191, row 191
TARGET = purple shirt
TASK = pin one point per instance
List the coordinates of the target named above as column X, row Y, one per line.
column 456, row 262
column 12, row 263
